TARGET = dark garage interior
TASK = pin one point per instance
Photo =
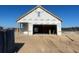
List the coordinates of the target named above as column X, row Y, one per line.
column 44, row 29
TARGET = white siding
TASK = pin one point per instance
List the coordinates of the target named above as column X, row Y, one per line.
column 44, row 18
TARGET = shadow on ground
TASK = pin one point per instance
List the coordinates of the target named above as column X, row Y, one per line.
column 18, row 46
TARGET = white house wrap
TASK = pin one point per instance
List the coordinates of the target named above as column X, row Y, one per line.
column 40, row 21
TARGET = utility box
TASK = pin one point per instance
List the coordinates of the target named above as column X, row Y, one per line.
column 7, row 41
column 1, row 41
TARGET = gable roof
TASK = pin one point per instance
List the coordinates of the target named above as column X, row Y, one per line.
column 42, row 9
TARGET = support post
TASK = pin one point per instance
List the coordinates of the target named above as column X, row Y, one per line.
column 59, row 29
column 30, row 29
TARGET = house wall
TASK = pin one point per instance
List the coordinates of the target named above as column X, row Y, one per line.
column 44, row 18
column 30, row 29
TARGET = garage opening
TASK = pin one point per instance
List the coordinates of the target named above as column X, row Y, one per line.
column 44, row 29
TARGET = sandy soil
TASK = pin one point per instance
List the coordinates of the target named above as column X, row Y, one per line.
column 67, row 43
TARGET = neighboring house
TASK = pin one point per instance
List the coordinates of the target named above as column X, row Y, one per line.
column 40, row 21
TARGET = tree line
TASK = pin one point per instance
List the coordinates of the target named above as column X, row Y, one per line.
column 70, row 29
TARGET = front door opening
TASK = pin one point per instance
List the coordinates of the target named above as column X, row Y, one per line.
column 44, row 29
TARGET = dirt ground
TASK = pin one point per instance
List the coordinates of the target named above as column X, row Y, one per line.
column 68, row 42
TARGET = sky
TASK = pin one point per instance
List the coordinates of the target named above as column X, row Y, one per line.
column 69, row 14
